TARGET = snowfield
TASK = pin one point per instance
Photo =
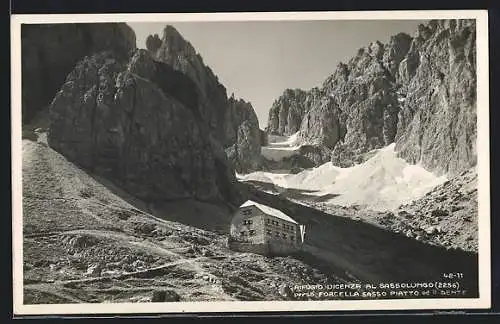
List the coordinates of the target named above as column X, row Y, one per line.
column 384, row 182
column 280, row 147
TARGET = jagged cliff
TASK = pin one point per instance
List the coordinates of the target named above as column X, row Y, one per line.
column 156, row 122
column 242, row 134
column 363, row 103
column 50, row 52
column 437, row 120
column 287, row 112
column 123, row 115
column 175, row 51
column 418, row 91
column 120, row 120
column 232, row 122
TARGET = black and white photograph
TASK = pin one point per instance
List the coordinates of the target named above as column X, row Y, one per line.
column 250, row 162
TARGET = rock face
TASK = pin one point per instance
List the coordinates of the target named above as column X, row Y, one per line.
column 358, row 112
column 172, row 82
column 321, row 125
column 241, row 127
column 395, row 52
column 437, row 120
column 181, row 56
column 287, row 112
column 419, row 92
column 126, row 121
column 158, row 123
column 238, row 131
column 50, row 52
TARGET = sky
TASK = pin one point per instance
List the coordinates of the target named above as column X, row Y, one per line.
column 257, row 61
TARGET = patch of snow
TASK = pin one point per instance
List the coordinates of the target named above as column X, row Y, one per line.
column 280, row 147
column 289, row 142
column 383, row 182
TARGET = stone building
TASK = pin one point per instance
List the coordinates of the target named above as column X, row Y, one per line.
column 265, row 230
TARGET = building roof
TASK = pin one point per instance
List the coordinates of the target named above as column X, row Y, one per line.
column 269, row 210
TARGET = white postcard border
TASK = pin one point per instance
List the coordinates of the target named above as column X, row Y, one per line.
column 483, row 302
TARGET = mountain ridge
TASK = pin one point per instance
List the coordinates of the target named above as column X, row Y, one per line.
column 129, row 188
column 395, row 92
column 233, row 122
column 129, row 114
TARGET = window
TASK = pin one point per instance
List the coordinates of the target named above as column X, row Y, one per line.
column 268, row 221
column 243, row 233
column 247, row 212
column 284, row 236
column 269, row 232
column 277, row 234
column 247, row 222
column 292, row 238
column 252, row 232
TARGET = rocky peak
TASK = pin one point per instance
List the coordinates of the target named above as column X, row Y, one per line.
column 178, row 53
column 354, row 110
column 416, row 91
column 173, row 42
column 360, row 109
column 229, row 120
column 153, row 43
column 287, row 112
column 181, row 55
column 243, row 135
column 122, row 122
column 376, row 50
column 238, row 112
column 395, row 52
column 127, row 116
column 174, row 84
